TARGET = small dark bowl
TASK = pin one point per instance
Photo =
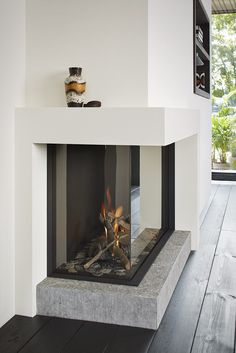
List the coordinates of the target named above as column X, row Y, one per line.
column 93, row 104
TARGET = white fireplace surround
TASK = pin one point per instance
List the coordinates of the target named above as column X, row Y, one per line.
column 36, row 127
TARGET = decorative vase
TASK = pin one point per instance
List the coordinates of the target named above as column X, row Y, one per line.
column 75, row 87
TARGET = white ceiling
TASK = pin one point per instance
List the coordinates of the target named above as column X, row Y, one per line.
column 223, row 6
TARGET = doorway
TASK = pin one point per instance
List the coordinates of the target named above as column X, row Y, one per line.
column 223, row 92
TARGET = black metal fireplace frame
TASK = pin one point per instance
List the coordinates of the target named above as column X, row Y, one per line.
column 168, row 222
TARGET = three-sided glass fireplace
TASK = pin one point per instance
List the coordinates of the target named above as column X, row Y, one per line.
column 98, row 215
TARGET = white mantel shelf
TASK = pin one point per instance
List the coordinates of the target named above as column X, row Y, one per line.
column 115, row 126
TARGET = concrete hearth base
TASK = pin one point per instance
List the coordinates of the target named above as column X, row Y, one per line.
column 142, row 306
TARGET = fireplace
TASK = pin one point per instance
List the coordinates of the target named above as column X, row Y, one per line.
column 96, row 230
column 165, row 180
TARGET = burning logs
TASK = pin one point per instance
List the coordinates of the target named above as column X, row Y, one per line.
column 115, row 239
column 108, row 229
column 118, row 252
column 121, row 221
column 124, row 224
column 99, row 244
column 101, row 252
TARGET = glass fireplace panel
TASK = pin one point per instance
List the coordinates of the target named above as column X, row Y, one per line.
column 104, row 224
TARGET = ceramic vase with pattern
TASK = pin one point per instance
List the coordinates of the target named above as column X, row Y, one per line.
column 75, row 87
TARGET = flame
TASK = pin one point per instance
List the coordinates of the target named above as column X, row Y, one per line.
column 113, row 215
column 116, row 230
column 116, row 227
column 108, row 195
column 103, row 210
column 119, row 212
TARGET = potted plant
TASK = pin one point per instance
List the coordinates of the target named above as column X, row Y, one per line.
column 222, row 135
column 233, row 154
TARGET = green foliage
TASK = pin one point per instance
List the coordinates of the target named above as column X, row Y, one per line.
column 222, row 135
column 223, row 53
column 218, row 93
column 233, row 148
column 226, row 104
column 230, row 98
column 225, row 111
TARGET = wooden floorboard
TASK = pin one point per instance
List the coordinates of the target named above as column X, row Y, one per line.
column 131, row 340
column 223, row 275
column 177, row 329
column 91, row 338
column 227, row 243
column 216, row 329
column 176, row 332
column 53, row 337
column 230, row 216
column 18, row 331
column 215, row 214
column 214, row 188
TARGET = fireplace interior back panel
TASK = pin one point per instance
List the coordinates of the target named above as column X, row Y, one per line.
column 85, row 194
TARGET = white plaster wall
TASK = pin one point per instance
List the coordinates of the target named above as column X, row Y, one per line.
column 150, row 181
column 107, row 38
column 127, row 60
column 12, row 70
column 170, row 73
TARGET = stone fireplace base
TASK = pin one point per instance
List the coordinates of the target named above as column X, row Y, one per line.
column 141, row 306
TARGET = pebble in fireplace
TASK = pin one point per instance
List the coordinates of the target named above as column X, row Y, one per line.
column 95, row 230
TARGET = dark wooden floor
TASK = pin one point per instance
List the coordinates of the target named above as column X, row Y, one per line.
column 200, row 317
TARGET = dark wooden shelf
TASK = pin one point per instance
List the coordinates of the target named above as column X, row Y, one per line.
column 202, row 52
column 200, row 18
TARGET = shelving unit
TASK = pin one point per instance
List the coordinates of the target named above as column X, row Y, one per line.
column 201, row 50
